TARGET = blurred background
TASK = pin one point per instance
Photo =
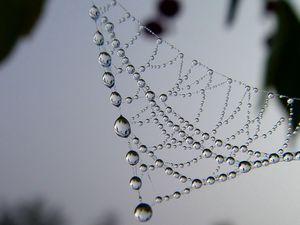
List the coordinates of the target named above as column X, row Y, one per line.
column 61, row 163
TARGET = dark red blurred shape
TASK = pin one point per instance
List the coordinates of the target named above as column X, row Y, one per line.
column 169, row 7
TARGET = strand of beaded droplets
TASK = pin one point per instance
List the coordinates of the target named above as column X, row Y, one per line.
column 185, row 129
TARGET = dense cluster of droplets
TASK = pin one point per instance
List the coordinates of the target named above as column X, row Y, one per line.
column 178, row 132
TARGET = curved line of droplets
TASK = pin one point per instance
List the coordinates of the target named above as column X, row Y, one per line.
column 143, row 211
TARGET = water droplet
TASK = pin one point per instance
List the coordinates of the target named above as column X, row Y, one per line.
column 196, row 145
column 109, row 27
column 274, row 158
column 143, row 212
column 143, row 167
column 205, row 136
column 115, row 43
column 218, row 143
column 121, row 52
column 159, row 163
column 98, row 38
column 230, row 160
column 288, row 156
column 143, row 148
column 196, row 183
column 219, row 159
column 104, row 59
column 141, row 83
column 207, row 153
column 94, row 12
column 189, row 140
column 150, row 95
column 128, row 100
column 290, row 101
column 163, row 97
column 115, row 99
column 135, row 183
column 244, row 166
column 232, row 174
column 130, row 69
column 183, row 179
column 210, row 180
column 177, row 194
column 169, row 171
column 158, row 199
column 108, row 79
column 222, row 177
column 122, row 127
column 132, row 157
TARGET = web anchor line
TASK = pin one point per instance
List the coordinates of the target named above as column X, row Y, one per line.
column 230, row 143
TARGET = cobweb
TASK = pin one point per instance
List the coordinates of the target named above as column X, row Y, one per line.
column 204, row 128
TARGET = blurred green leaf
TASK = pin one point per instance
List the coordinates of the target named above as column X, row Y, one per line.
column 282, row 70
column 17, row 18
column 232, row 11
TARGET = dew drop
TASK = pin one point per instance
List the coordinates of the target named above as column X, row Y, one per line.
column 288, row 156
column 274, row 158
column 244, row 166
column 163, row 97
column 115, row 43
column 150, row 95
column 135, row 183
column 108, row 79
column 130, row 69
column 109, row 27
column 122, row 127
column 94, row 12
column 98, row 38
column 104, row 59
column 143, row 212
column 115, row 99
column 196, row 183
column 132, row 157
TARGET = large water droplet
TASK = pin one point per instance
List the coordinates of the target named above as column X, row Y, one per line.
column 274, row 158
column 143, row 212
column 122, row 127
column 108, row 79
column 163, row 97
column 244, row 166
column 115, row 99
column 98, row 38
column 132, row 157
column 135, row 183
column 94, row 12
column 150, row 95
column 196, row 183
column 109, row 27
column 104, row 59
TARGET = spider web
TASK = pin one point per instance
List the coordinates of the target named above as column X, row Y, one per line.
column 204, row 128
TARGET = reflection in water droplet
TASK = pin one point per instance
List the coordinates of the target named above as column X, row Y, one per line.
column 196, row 183
column 94, row 12
column 143, row 212
column 163, row 97
column 122, row 127
column 132, row 157
column 104, row 59
column 274, row 158
column 135, row 183
column 109, row 27
column 108, row 79
column 98, row 38
column 115, row 99
column 244, row 166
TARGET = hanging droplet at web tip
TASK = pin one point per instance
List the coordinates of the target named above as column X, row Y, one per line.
column 143, row 212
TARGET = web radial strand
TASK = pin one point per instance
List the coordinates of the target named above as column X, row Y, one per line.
column 187, row 126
